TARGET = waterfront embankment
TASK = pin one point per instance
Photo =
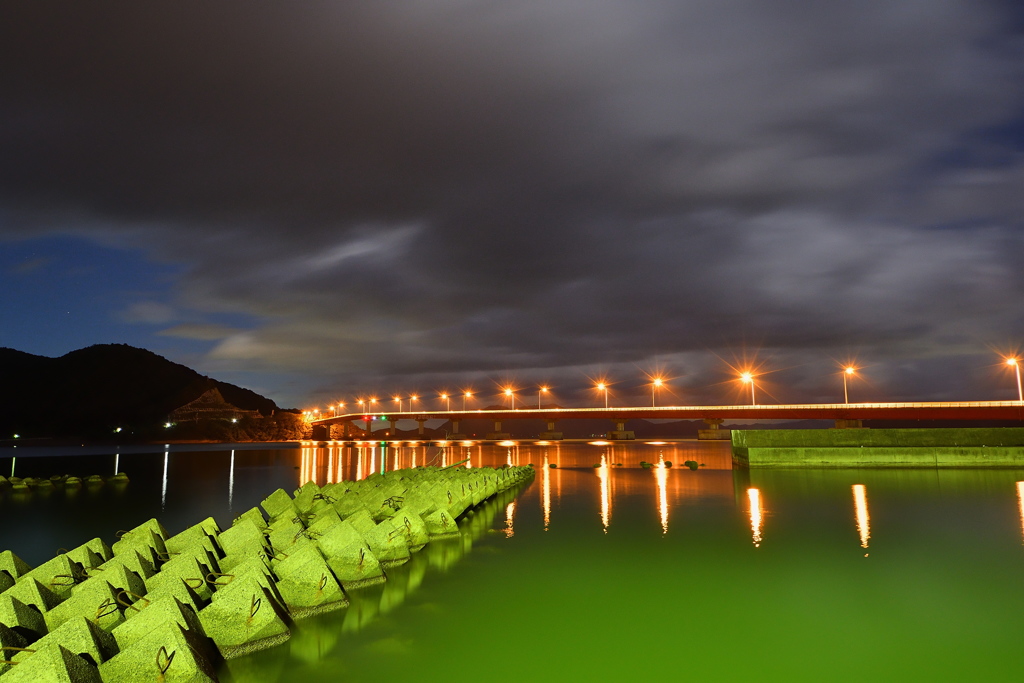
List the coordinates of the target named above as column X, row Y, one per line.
column 951, row 447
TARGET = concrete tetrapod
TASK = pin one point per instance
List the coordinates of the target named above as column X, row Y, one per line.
column 12, row 642
column 98, row 601
column 79, row 635
column 349, row 557
column 252, row 515
column 244, row 618
column 26, row 621
column 176, row 604
column 243, row 537
column 307, row 584
column 279, row 504
column 168, row 653
column 130, row 559
column 58, row 575
column 163, row 610
column 53, row 665
column 117, row 574
column 91, row 554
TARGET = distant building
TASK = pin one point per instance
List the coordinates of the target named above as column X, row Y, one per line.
column 210, row 406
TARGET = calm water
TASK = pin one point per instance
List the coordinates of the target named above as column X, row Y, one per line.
column 617, row 572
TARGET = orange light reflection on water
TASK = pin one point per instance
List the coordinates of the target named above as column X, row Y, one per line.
column 661, row 476
column 1020, row 505
column 756, row 515
column 860, row 505
column 510, row 512
column 546, row 498
column 604, row 477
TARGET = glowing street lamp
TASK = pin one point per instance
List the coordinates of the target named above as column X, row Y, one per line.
column 601, row 386
column 848, row 371
column 412, row 399
column 656, row 384
column 466, row 395
column 398, row 400
column 511, row 396
column 447, row 401
column 361, row 403
column 542, row 390
column 748, row 378
column 1015, row 364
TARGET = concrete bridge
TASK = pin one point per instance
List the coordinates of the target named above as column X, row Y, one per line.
column 845, row 415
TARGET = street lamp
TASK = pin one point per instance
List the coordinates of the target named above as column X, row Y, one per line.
column 412, row 399
column 656, row 384
column 748, row 378
column 447, row 402
column 361, row 403
column 1015, row 364
column 601, row 386
column 398, row 400
column 512, row 397
column 466, row 395
column 848, row 371
column 542, row 390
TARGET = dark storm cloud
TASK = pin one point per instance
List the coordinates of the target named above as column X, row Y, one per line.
column 422, row 188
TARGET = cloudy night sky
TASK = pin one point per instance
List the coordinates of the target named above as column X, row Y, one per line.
column 321, row 200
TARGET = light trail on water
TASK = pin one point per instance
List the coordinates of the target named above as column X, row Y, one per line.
column 756, row 515
column 860, row 505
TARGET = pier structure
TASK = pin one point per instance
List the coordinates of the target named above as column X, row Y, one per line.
column 845, row 416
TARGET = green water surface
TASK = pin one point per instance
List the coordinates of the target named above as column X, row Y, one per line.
column 621, row 573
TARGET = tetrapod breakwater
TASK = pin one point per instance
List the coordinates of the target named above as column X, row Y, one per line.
column 153, row 606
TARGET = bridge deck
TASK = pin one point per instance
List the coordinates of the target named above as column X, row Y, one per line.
column 946, row 410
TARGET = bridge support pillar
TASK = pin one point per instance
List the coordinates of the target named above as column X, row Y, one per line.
column 419, row 428
column 849, row 424
column 497, row 433
column 620, row 433
column 551, row 434
column 714, row 432
column 321, row 433
column 393, row 429
column 456, row 434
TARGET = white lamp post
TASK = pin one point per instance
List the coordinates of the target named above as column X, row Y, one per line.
column 1015, row 364
column 748, row 378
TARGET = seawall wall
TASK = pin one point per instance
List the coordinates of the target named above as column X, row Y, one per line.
column 947, row 447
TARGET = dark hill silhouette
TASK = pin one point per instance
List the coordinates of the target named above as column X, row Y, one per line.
column 91, row 391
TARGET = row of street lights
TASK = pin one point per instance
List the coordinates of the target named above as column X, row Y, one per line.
column 745, row 377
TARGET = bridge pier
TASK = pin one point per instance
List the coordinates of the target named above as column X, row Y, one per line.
column 714, row 431
column 849, row 424
column 393, row 429
column 455, row 434
column 419, row 429
column 620, row 433
column 321, row 433
column 497, row 433
column 551, row 434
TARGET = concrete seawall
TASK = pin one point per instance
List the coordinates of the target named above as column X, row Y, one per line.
column 955, row 447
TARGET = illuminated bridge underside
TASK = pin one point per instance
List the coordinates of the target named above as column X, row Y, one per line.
column 972, row 410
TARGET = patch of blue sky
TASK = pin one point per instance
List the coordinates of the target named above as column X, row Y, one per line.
column 61, row 293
